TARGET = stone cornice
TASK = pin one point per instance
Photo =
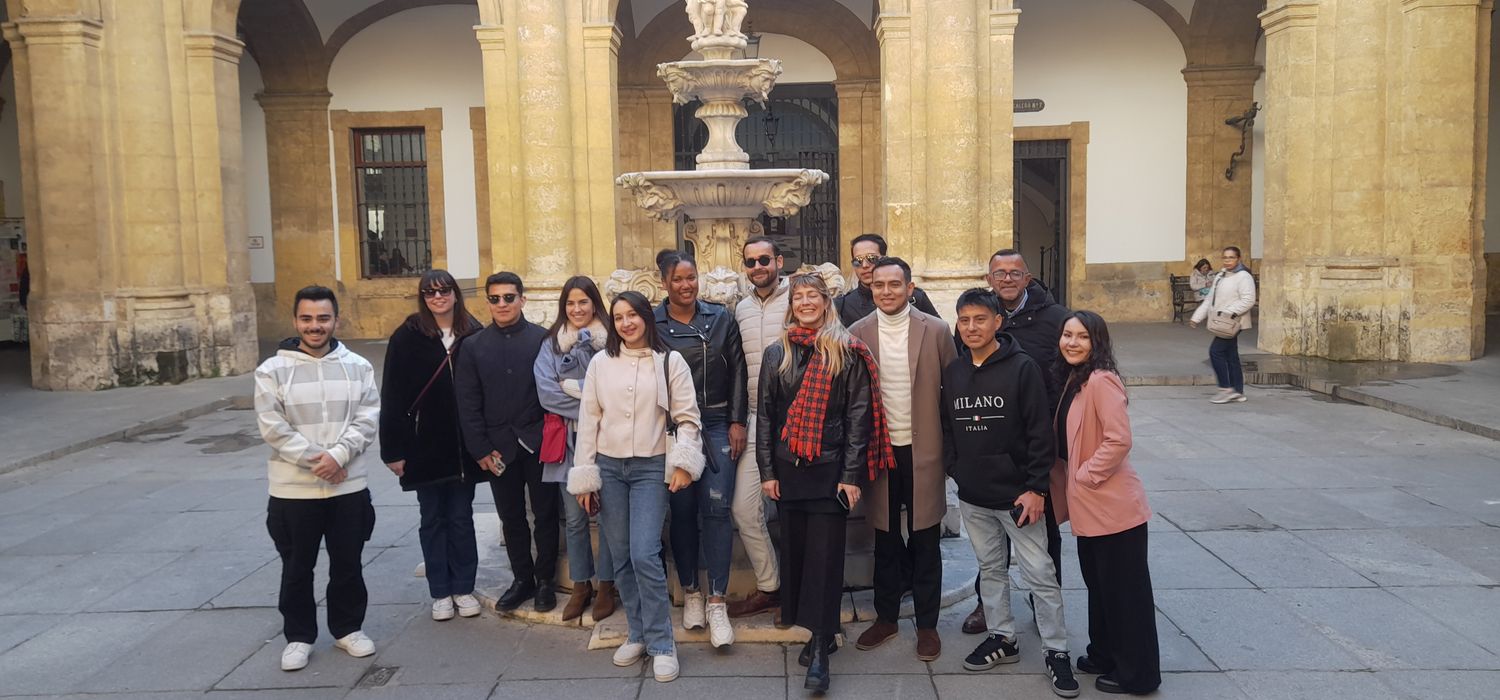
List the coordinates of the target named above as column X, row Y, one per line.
column 602, row 35
column 1413, row 5
column 57, row 31
column 491, row 37
column 1003, row 22
column 1216, row 76
column 1292, row 15
column 214, row 45
column 294, row 101
column 892, row 26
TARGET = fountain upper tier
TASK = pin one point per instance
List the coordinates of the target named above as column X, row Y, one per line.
column 722, row 85
column 724, row 193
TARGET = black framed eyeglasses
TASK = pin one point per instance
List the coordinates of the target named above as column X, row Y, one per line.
column 870, row 259
column 436, row 292
column 507, row 298
column 763, row 261
column 1009, row 274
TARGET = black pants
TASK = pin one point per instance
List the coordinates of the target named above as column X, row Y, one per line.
column 919, row 547
column 1122, row 613
column 510, row 489
column 299, row 527
column 812, row 567
column 1054, row 548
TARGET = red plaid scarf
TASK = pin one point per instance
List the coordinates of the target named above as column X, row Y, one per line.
column 804, row 420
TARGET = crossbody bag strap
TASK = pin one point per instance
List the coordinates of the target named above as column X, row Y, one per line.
column 666, row 375
column 416, row 403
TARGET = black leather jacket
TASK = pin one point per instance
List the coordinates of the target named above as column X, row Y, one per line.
column 846, row 429
column 711, row 345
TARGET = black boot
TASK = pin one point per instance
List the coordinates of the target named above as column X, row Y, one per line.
column 805, row 658
column 817, row 669
column 546, row 595
column 519, row 592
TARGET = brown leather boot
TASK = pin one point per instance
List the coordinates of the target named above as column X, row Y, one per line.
column 604, row 603
column 582, row 593
column 755, row 604
column 975, row 622
column 876, row 635
column 929, row 645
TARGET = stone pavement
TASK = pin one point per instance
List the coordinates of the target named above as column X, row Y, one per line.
column 1335, row 550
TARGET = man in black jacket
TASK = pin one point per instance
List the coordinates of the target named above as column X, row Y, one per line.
column 999, row 448
column 859, row 302
column 502, row 430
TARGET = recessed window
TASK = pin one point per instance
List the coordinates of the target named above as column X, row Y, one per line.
column 391, row 210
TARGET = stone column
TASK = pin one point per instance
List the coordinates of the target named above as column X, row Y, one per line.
column 859, row 160
column 601, row 127
column 545, row 143
column 951, row 140
column 997, row 104
column 898, row 68
column 1218, row 209
column 301, row 193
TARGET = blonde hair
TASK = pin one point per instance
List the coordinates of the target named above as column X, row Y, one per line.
column 832, row 341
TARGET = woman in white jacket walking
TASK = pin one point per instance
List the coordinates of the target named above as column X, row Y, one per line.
column 623, row 467
column 1233, row 294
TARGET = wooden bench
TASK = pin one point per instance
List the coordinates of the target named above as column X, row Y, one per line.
column 1185, row 299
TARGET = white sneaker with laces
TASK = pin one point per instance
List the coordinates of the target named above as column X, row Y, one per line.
column 720, row 632
column 442, row 608
column 1224, row 396
column 692, row 611
column 468, row 605
column 629, row 653
column 357, row 643
column 294, row 656
column 665, row 667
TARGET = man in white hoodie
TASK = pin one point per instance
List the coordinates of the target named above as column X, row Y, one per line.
column 318, row 409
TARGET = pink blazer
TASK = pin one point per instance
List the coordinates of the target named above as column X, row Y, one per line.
column 1096, row 488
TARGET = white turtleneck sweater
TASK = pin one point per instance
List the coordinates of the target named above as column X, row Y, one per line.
column 895, row 373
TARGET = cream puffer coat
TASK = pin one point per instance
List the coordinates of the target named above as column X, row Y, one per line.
column 1233, row 293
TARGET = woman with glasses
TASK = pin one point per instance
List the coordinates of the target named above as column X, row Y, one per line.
column 421, row 443
column 635, row 393
column 820, row 433
column 1231, row 296
column 579, row 331
column 708, row 337
column 857, row 303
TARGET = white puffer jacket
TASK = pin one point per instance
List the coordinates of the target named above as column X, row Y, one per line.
column 1232, row 293
column 761, row 322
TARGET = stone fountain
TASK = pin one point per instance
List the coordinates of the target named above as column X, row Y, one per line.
column 722, row 197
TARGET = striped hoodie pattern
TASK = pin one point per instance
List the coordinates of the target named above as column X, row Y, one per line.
column 308, row 405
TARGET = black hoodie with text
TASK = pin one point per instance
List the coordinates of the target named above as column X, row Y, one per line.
column 997, row 426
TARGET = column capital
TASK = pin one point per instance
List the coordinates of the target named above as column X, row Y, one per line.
column 602, row 35
column 892, row 26
column 214, row 45
column 55, row 30
column 278, row 101
column 1294, row 14
column 1003, row 21
column 1220, row 76
column 1413, row 5
column 491, row 36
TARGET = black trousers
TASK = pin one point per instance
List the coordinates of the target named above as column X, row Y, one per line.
column 919, row 552
column 1122, row 612
column 812, row 567
column 1054, row 548
column 510, row 490
column 299, row 527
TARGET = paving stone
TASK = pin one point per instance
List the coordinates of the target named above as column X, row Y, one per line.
column 1472, row 611
column 1301, row 509
column 390, row 580
column 20, row 527
column 1274, row 559
column 1306, row 685
column 1397, row 508
column 1384, row 631
column 866, row 686
column 464, row 691
column 15, row 629
column 32, row 497
column 1178, row 652
column 1481, row 503
column 589, row 688
column 185, row 532
column 18, row 571
column 1179, row 562
column 191, row 653
column 81, row 583
column 718, row 688
column 462, row 650
column 1390, row 559
column 93, row 533
column 898, row 656
column 1476, row 547
column 561, row 652
column 50, row 662
column 739, row 659
column 187, row 583
column 126, row 494
column 1442, row 685
column 1249, row 630
column 1205, row 510
column 328, row 666
column 988, row 685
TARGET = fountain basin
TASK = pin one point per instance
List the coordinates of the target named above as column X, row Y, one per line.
column 722, row 193
column 725, row 79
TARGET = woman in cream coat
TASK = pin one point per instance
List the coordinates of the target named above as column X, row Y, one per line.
column 625, row 466
column 1233, row 294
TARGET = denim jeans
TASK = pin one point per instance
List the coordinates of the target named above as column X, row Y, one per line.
column 993, row 534
column 632, row 509
column 581, row 545
column 705, row 508
column 1224, row 354
column 447, row 536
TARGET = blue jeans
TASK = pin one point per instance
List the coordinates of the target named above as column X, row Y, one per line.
column 1224, row 354
column 710, row 498
column 632, row 509
column 581, row 545
column 447, row 536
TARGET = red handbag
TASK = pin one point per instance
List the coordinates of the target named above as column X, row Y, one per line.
column 554, row 440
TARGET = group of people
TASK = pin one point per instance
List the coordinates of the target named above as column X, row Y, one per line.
column 694, row 416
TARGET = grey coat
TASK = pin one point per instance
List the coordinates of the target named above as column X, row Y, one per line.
column 552, row 368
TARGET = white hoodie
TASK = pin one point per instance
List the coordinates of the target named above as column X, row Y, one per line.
column 309, row 405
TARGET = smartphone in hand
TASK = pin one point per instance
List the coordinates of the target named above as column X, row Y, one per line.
column 1017, row 513
column 843, row 498
column 593, row 508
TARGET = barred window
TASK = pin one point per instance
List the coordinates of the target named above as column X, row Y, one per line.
column 391, row 208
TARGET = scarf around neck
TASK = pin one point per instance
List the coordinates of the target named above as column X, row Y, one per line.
column 804, row 421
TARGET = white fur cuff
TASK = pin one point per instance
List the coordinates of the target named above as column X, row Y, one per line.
column 584, row 478
column 687, row 456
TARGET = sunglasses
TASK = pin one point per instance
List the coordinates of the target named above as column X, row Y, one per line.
column 436, row 292
column 507, row 298
column 866, row 260
column 763, row 261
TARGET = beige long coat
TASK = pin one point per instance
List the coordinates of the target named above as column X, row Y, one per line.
column 929, row 350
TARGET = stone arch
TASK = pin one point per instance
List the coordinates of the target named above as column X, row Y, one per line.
column 1223, row 33
column 1170, row 17
column 285, row 42
column 827, row 25
column 216, row 16
column 376, row 12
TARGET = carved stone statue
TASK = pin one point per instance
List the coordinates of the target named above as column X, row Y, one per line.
column 716, row 17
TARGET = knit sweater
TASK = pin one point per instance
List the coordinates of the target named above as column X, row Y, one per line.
column 895, row 372
column 624, row 414
column 306, row 406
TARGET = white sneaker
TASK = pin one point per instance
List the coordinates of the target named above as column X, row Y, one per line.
column 720, row 632
column 468, row 605
column 692, row 611
column 665, row 667
column 1221, row 397
column 442, row 608
column 629, row 653
column 294, row 656
column 1237, row 397
column 357, row 643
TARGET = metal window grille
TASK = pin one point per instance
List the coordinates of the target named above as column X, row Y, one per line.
column 391, row 208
